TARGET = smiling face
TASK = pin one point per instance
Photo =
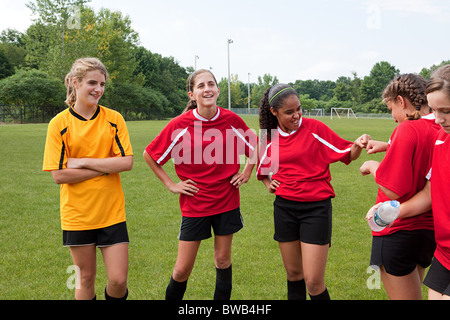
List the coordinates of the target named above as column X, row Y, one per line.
column 440, row 104
column 90, row 89
column 289, row 114
column 204, row 90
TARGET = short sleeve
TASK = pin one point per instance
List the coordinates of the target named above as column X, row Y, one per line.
column 396, row 169
column 55, row 155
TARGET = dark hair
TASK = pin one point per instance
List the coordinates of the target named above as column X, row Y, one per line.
column 190, row 87
column 273, row 98
column 411, row 87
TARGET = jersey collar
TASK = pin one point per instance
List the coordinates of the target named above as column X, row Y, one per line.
column 80, row 117
column 199, row 117
column 285, row 134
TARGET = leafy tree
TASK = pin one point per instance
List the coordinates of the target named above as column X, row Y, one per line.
column 307, row 102
column 347, row 89
column 426, row 72
column 316, row 89
column 56, row 13
column 54, row 42
column 136, row 102
column 236, row 93
column 6, row 69
column 373, row 85
column 115, row 40
column 12, row 46
column 260, row 88
column 343, row 90
column 12, row 36
column 34, row 91
column 164, row 75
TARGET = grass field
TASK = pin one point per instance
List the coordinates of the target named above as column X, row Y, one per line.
column 34, row 264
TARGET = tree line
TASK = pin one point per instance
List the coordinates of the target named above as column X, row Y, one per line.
column 142, row 84
column 361, row 94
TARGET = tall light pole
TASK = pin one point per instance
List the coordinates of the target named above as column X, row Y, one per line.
column 229, row 75
column 249, row 92
column 195, row 65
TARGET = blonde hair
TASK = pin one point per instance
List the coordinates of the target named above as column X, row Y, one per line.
column 78, row 71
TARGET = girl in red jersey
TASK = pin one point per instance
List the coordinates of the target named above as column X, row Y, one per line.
column 205, row 143
column 295, row 166
column 436, row 193
column 405, row 250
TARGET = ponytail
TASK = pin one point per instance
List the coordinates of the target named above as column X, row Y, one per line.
column 415, row 115
column 267, row 120
column 71, row 96
column 191, row 105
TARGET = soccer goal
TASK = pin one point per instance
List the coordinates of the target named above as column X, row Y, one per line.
column 316, row 112
column 342, row 112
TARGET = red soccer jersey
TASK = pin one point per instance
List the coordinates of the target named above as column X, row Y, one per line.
column 207, row 152
column 404, row 168
column 300, row 161
column 440, row 195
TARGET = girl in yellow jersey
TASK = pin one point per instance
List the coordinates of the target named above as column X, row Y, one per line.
column 87, row 146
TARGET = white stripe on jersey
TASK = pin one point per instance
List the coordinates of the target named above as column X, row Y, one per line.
column 429, row 116
column 329, row 145
column 171, row 146
column 263, row 158
column 242, row 138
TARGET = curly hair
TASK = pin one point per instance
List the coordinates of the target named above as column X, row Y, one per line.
column 273, row 98
column 411, row 87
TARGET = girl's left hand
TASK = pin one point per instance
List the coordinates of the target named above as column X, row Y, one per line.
column 239, row 179
column 372, row 210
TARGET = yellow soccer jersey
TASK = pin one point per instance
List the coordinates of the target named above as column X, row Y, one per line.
column 98, row 202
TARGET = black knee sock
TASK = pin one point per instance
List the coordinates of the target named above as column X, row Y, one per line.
column 323, row 296
column 107, row 297
column 175, row 290
column 223, row 284
column 296, row 290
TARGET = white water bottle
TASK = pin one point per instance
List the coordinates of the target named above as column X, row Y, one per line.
column 384, row 215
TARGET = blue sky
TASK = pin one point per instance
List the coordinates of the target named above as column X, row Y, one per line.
column 290, row 39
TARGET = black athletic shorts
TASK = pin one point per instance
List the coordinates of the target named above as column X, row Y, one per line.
column 196, row 229
column 438, row 278
column 309, row 222
column 103, row 237
column 402, row 251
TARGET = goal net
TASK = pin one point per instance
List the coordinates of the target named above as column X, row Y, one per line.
column 315, row 112
column 342, row 112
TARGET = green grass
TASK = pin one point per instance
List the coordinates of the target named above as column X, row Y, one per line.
column 34, row 263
